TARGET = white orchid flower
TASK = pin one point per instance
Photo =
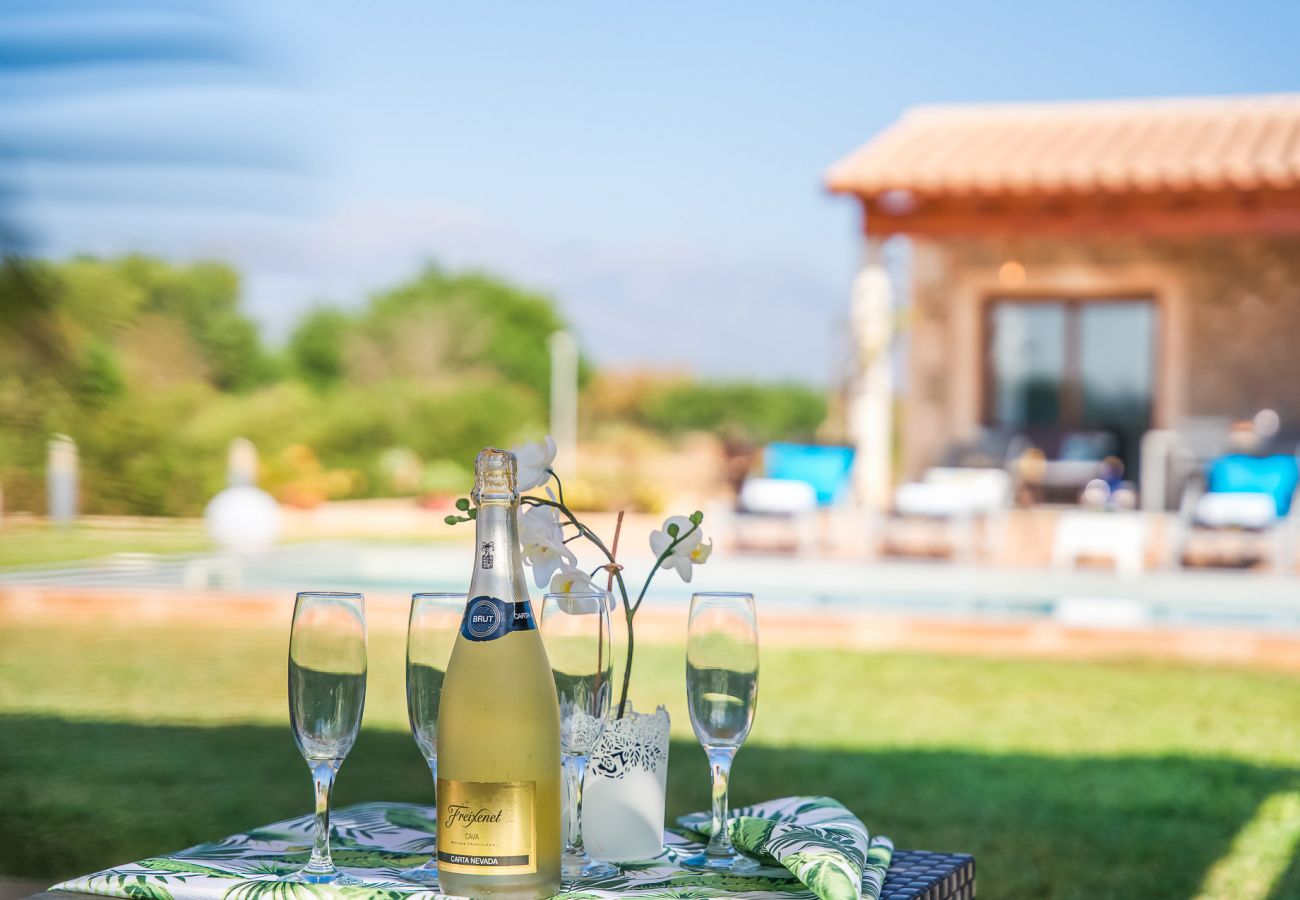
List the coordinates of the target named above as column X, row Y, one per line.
column 689, row 552
column 571, row 580
column 700, row 555
column 534, row 463
column 581, row 596
column 542, row 539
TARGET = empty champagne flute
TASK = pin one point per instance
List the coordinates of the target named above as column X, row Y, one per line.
column 430, row 636
column 575, row 631
column 722, row 692
column 327, row 693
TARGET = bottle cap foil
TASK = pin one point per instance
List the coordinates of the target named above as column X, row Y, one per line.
column 495, row 475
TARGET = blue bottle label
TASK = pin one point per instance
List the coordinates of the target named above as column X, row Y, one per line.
column 488, row 618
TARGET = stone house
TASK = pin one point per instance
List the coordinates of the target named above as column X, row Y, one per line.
column 1084, row 268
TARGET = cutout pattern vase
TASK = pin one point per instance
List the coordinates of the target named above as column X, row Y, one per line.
column 626, row 785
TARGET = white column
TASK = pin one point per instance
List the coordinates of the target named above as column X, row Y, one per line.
column 564, row 402
column 1158, row 447
column 241, row 463
column 871, row 407
column 61, row 479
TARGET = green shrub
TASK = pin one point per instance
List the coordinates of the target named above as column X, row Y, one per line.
column 758, row 412
column 317, row 345
column 136, row 460
column 462, row 419
column 99, row 379
column 444, row 478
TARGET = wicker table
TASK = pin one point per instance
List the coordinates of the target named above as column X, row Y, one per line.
column 913, row 875
column 922, row 875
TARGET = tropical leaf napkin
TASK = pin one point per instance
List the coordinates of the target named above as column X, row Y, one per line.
column 815, row 838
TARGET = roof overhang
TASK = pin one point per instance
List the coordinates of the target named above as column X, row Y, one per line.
column 1162, row 215
column 1212, row 166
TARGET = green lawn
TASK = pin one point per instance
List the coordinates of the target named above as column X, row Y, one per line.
column 29, row 544
column 1066, row 780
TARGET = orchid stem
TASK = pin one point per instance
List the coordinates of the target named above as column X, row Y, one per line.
column 616, row 573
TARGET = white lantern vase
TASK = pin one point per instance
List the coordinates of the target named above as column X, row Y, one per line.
column 625, row 788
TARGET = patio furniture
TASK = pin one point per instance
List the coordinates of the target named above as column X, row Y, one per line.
column 968, row 506
column 797, row 479
column 1065, row 463
column 922, row 875
column 987, row 448
column 789, row 505
column 824, row 467
column 1249, row 500
column 1171, row 457
column 1111, row 534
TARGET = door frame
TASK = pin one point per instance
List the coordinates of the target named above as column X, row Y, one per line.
column 970, row 287
column 1072, row 386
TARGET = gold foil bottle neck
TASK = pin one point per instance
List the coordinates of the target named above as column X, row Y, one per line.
column 495, row 475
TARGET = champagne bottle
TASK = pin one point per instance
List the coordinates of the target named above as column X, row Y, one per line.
column 499, row 721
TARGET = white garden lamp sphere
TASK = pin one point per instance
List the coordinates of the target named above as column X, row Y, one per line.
column 243, row 519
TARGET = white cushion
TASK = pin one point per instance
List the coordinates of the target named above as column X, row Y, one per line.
column 945, row 493
column 986, row 490
column 920, row 498
column 783, row 496
column 1236, row 510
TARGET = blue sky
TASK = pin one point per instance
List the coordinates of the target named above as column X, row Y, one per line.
column 655, row 167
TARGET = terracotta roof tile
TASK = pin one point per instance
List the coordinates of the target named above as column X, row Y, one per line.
column 1123, row 146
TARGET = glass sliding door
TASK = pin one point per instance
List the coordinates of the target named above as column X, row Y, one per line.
column 1061, row 366
column 1028, row 364
column 1116, row 371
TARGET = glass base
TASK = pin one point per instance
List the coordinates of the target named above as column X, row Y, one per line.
column 720, row 862
column 426, row 874
column 575, row 868
column 309, row 875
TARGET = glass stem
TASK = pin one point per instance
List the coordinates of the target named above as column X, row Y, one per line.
column 432, row 864
column 720, row 765
column 322, row 776
column 575, row 770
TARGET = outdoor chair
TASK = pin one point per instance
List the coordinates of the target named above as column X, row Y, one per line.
column 1064, row 463
column 1249, row 499
column 797, row 480
column 969, row 507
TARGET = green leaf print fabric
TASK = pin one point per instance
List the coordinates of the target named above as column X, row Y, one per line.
column 812, row 837
column 816, row 839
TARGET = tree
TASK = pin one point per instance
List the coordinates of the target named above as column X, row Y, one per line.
column 316, row 347
column 440, row 325
column 204, row 296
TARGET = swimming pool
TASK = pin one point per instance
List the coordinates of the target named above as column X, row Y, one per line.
column 1088, row 598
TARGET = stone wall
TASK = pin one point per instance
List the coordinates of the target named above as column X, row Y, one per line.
column 1229, row 314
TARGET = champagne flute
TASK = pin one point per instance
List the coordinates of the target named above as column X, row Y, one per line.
column 327, row 693
column 722, row 691
column 431, row 633
column 575, row 631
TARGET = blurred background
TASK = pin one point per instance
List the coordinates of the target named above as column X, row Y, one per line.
column 970, row 329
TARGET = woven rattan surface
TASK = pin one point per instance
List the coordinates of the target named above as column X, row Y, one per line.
column 922, row 875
